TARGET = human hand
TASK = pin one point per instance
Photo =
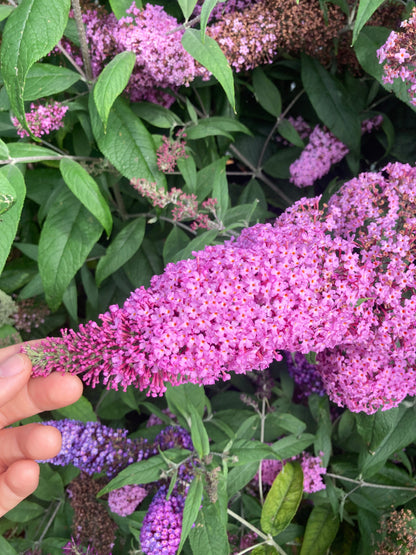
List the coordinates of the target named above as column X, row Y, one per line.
column 22, row 396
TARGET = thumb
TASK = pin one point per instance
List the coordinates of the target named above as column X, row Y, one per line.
column 14, row 373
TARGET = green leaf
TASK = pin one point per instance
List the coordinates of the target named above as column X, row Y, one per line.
column 156, row 115
column 216, row 125
column 366, row 9
column 196, row 244
column 6, row 548
column 84, row 187
column 278, row 165
column 290, row 446
column 288, row 132
column 240, row 476
column 220, row 189
column 331, row 103
column 266, row 93
column 187, row 7
column 192, row 506
column 50, row 484
column 31, row 32
column 119, row 7
column 70, row 300
column 45, row 80
column 111, row 83
column 34, row 152
column 128, row 145
column 206, row 10
column 181, row 397
column 199, row 434
column 80, row 410
column 5, row 11
column 4, row 150
column 68, row 235
column 283, row 499
column 397, row 437
column 320, row 532
column 142, row 472
column 125, row 244
column 25, row 511
column 209, row 535
column 187, row 167
column 175, row 241
column 11, row 181
column 208, row 53
column 247, row 451
column 8, row 195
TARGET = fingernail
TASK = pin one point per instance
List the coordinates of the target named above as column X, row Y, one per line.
column 11, row 366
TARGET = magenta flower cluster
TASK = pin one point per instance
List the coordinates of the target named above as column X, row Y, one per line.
column 399, row 56
column 337, row 280
column 42, row 119
column 155, row 38
column 322, row 151
column 311, row 467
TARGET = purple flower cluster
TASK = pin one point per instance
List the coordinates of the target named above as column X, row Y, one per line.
column 42, row 119
column 123, row 501
column 311, row 467
column 162, row 525
column 93, row 447
column 338, row 281
column 305, row 375
column 399, row 56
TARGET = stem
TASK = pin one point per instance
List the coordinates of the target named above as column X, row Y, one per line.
column 262, row 422
column 120, row 202
column 52, row 518
column 260, row 175
column 248, row 549
column 71, row 60
column 82, row 39
column 164, row 218
column 29, row 159
column 363, row 484
column 276, row 125
column 255, row 171
column 267, row 539
column 185, row 25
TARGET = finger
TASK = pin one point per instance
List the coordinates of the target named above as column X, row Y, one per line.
column 52, row 392
column 33, row 441
column 20, row 480
column 15, row 372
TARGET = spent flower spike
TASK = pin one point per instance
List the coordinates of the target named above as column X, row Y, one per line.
column 337, row 280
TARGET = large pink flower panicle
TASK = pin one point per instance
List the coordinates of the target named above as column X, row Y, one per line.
column 377, row 371
column 399, row 56
column 313, row 281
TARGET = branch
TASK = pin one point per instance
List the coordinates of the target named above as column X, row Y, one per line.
column 82, row 39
